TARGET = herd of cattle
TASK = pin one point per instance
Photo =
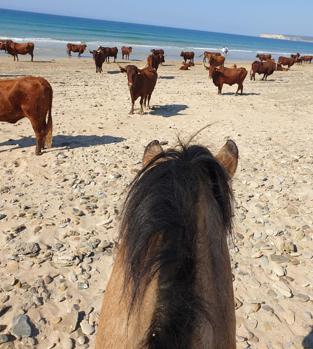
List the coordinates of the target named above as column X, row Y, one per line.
column 19, row 97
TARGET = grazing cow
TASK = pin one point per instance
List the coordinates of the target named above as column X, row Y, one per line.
column 28, row 97
column 229, row 76
column 188, row 55
column 99, row 57
column 207, row 55
column 306, row 59
column 75, row 48
column 15, row 49
column 160, row 53
column 126, row 51
column 263, row 57
column 266, row 67
column 141, row 83
column 153, row 61
column 286, row 61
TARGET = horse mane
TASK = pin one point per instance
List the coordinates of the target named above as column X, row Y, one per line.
column 159, row 233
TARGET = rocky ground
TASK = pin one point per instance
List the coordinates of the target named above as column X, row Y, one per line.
column 59, row 212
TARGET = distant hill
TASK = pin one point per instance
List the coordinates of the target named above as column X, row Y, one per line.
column 288, row 37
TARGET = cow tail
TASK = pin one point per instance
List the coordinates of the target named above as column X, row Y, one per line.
column 48, row 139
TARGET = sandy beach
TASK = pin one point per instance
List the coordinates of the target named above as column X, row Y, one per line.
column 59, row 212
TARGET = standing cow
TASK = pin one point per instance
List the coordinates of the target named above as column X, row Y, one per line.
column 28, row 97
column 75, row 48
column 266, row 67
column 15, row 49
column 188, row 55
column 126, row 51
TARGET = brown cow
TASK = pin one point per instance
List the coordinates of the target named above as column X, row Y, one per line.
column 185, row 66
column 264, row 57
column 109, row 52
column 29, row 97
column 99, row 57
column 126, row 51
column 306, row 59
column 75, row 48
column 297, row 55
column 229, row 76
column 15, row 49
column 153, row 61
column 207, row 54
column 3, row 44
column 160, row 53
column 217, row 61
column 286, row 61
column 141, row 83
column 188, row 55
column 266, row 67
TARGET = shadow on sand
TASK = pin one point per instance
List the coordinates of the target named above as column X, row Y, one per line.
column 167, row 77
column 70, row 142
column 168, row 110
column 307, row 342
column 244, row 94
column 113, row 72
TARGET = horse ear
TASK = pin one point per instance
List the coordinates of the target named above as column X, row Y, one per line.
column 151, row 151
column 228, row 157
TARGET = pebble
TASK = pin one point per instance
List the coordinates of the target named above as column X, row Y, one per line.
column 21, row 326
column 68, row 343
column 4, row 338
column 278, row 270
column 87, row 328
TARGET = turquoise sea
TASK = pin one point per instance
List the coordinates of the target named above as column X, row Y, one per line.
column 50, row 34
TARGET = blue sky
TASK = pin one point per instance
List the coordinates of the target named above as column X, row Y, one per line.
column 228, row 16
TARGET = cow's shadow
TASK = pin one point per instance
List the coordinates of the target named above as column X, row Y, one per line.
column 307, row 342
column 169, row 77
column 244, row 94
column 168, row 110
column 65, row 141
column 113, row 72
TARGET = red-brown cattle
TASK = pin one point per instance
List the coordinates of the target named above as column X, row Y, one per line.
column 263, row 57
column 126, row 51
column 99, row 57
column 15, row 49
column 153, row 61
column 75, row 48
column 141, row 83
column 229, row 76
column 207, row 55
column 217, row 61
column 185, row 66
column 28, row 97
column 160, row 53
column 279, row 67
column 188, row 55
column 266, row 67
column 307, row 59
column 286, row 61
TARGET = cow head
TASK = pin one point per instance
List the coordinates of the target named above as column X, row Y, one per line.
column 132, row 73
column 182, row 54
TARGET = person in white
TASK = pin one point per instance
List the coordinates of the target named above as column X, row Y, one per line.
column 224, row 51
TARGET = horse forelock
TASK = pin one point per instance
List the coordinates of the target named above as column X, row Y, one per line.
column 159, row 231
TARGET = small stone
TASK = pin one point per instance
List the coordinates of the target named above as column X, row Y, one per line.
column 279, row 259
column 69, row 322
column 22, row 326
column 2, row 216
column 252, row 308
column 257, row 254
column 301, row 297
column 31, row 249
column 81, row 340
column 19, row 228
column 83, row 285
column 278, row 270
column 87, row 328
column 78, row 212
column 48, row 279
column 4, row 338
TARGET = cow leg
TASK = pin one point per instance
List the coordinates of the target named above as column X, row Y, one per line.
column 141, row 106
column 149, row 97
column 220, row 89
column 40, row 133
column 32, row 57
column 132, row 107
